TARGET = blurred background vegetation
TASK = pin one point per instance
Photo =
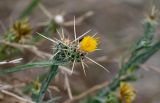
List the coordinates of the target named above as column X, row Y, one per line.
column 119, row 24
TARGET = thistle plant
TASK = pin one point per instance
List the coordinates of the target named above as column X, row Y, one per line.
column 141, row 51
column 65, row 51
column 126, row 94
column 19, row 32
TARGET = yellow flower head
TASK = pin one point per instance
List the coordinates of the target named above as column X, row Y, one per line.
column 127, row 92
column 88, row 44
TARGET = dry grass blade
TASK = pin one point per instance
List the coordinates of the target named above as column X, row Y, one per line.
column 86, row 93
column 30, row 48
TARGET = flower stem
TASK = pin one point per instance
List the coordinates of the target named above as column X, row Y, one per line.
column 52, row 73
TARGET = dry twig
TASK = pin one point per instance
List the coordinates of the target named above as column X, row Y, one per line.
column 64, row 23
column 68, row 86
column 3, row 89
column 30, row 48
column 86, row 93
column 16, row 96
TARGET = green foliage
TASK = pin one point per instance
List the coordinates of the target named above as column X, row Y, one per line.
column 29, row 9
column 112, row 98
column 8, row 51
column 142, row 50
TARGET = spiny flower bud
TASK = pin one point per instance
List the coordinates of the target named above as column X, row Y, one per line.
column 21, row 30
column 153, row 16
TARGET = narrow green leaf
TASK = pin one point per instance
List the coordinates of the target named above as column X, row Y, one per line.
column 29, row 9
column 30, row 66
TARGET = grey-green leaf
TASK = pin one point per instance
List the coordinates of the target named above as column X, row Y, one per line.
column 29, row 66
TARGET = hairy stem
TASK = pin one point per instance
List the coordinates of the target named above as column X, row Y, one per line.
column 52, row 73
